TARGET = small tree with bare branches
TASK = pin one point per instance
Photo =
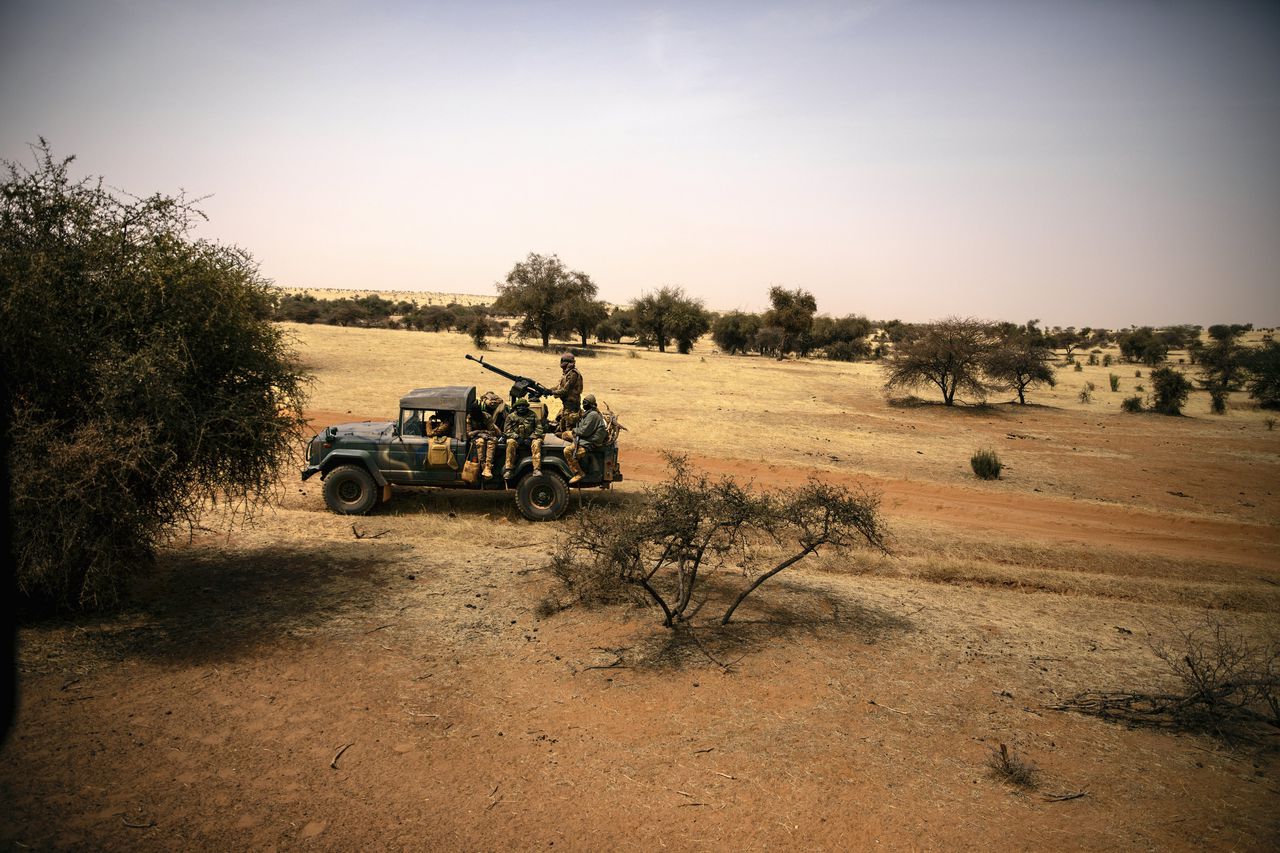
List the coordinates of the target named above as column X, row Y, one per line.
column 815, row 516
column 690, row 525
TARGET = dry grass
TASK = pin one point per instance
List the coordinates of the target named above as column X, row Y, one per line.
column 876, row 677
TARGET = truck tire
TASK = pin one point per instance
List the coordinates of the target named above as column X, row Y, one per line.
column 542, row 497
column 349, row 490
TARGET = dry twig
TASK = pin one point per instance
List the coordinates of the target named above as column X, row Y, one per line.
column 338, row 754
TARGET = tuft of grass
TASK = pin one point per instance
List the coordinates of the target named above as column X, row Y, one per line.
column 1271, row 424
column 1114, row 380
column 1012, row 768
column 986, row 464
column 1132, row 404
column 1079, row 368
column 1137, row 374
column 632, row 354
column 1086, row 393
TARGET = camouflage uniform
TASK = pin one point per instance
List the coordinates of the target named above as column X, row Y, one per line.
column 565, row 423
column 591, row 433
column 570, row 388
column 481, row 431
column 522, row 425
column 438, row 426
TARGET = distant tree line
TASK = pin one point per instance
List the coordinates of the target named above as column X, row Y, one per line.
column 375, row 312
column 963, row 358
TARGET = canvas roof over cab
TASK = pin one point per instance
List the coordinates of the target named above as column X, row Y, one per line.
column 453, row 398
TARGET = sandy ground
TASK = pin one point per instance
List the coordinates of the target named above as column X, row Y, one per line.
column 287, row 685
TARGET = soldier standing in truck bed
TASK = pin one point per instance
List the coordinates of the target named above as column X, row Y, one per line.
column 523, row 425
column 570, row 388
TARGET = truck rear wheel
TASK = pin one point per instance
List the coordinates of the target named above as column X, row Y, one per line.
column 542, row 497
column 349, row 490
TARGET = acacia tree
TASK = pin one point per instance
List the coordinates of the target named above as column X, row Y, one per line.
column 1019, row 361
column 1222, row 366
column 583, row 315
column 537, row 290
column 1264, row 375
column 735, row 332
column 669, row 314
column 792, row 311
column 143, row 375
column 948, row 353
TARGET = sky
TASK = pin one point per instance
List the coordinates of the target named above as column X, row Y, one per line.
column 1080, row 162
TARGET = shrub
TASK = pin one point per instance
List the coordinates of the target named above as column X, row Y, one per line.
column 1169, row 390
column 690, row 525
column 1217, row 681
column 1114, row 380
column 1137, row 374
column 1093, row 359
column 1010, row 767
column 1086, row 395
column 847, row 350
column 986, row 465
column 478, row 331
column 144, row 374
column 1132, row 404
column 1079, row 368
column 1140, row 387
column 1106, row 360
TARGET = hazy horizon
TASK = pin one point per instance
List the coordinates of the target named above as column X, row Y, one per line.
column 1084, row 163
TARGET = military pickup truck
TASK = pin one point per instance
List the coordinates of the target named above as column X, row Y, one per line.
column 361, row 464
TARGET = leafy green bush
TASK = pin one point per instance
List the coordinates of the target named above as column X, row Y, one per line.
column 986, row 464
column 143, row 375
column 1132, row 404
column 1169, row 390
column 1114, row 380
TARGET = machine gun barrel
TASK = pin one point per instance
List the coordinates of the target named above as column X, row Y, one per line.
column 522, row 381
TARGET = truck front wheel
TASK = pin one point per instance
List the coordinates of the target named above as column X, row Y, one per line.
column 542, row 497
column 349, row 490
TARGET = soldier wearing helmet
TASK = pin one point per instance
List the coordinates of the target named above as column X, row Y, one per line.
column 590, row 433
column 523, row 426
column 484, row 426
column 570, row 388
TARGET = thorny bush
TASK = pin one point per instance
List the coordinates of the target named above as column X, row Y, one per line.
column 143, row 378
column 689, row 526
column 1219, row 681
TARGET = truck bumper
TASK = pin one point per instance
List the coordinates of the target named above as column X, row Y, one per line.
column 309, row 472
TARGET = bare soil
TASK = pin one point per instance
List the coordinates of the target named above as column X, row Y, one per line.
column 316, row 681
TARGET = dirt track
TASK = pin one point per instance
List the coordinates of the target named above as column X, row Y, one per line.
column 863, row 696
column 1021, row 516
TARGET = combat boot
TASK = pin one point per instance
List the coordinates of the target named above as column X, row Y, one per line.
column 571, row 460
column 509, row 468
column 489, row 447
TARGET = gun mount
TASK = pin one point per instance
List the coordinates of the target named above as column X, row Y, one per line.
column 521, row 386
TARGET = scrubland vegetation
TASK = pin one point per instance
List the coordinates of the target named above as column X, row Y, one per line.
column 810, row 598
